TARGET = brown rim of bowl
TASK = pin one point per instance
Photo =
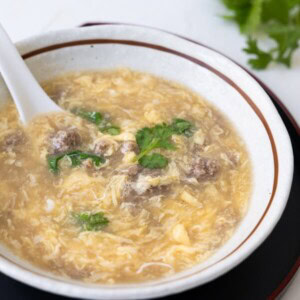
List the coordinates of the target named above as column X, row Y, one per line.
column 204, row 65
column 265, row 87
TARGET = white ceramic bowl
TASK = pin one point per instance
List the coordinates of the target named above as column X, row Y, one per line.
column 221, row 82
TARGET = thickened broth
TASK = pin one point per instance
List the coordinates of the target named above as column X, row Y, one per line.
column 139, row 178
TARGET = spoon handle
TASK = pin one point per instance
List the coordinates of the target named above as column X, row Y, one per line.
column 28, row 95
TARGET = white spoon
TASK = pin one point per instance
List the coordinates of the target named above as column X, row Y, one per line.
column 29, row 97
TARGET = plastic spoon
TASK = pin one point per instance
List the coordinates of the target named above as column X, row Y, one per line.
column 29, row 97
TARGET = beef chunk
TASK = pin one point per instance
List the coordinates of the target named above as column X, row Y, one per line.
column 138, row 188
column 129, row 146
column 204, row 168
column 65, row 140
column 13, row 140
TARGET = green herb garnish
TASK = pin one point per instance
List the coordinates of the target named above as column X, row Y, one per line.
column 107, row 127
column 153, row 161
column 91, row 222
column 150, row 138
column 113, row 130
column 91, row 116
column 76, row 158
column 181, row 126
column 279, row 20
column 262, row 58
column 97, row 118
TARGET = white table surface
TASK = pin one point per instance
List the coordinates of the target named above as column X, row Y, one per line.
column 197, row 19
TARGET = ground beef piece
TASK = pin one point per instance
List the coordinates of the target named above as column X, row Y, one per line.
column 129, row 146
column 65, row 140
column 13, row 140
column 204, row 168
column 138, row 188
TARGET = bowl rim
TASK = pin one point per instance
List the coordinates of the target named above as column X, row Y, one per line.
column 101, row 292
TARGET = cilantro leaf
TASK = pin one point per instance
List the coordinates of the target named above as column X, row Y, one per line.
column 262, row 58
column 287, row 39
column 254, row 17
column 276, row 11
column 91, row 116
column 153, row 161
column 112, row 130
column 181, row 126
column 91, row 222
column 144, row 137
column 76, row 158
column 96, row 118
column 246, row 13
column 150, row 138
column 278, row 20
column 163, row 132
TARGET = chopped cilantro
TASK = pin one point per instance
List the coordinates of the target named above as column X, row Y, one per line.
column 91, row 116
column 76, row 158
column 97, row 118
column 181, row 126
column 113, row 130
column 91, row 222
column 153, row 161
column 150, row 138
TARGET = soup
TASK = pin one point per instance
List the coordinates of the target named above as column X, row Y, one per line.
column 139, row 178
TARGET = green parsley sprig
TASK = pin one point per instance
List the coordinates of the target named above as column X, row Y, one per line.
column 279, row 20
column 91, row 222
column 97, row 118
column 76, row 158
column 150, row 138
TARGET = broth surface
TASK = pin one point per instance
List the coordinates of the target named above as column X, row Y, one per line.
column 160, row 221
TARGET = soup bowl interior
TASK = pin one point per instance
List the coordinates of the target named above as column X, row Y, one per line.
column 220, row 82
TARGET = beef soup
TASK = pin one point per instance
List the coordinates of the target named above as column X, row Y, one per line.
column 139, row 178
